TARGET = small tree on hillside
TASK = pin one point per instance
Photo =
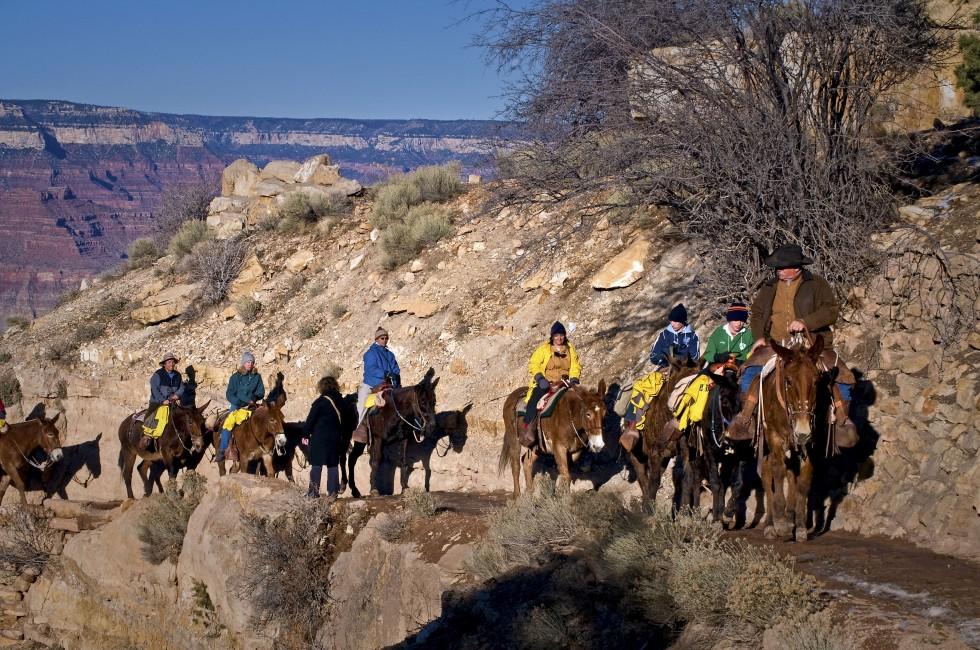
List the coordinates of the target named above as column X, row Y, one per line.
column 750, row 118
column 968, row 72
column 182, row 203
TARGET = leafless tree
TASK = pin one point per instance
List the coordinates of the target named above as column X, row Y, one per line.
column 180, row 203
column 217, row 264
column 752, row 119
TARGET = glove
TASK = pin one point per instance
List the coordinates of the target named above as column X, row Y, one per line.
column 543, row 383
column 573, row 380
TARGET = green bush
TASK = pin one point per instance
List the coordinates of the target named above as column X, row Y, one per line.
column 112, row 307
column 392, row 202
column 187, row 237
column 248, row 308
column 968, row 72
column 163, row 525
column 142, row 253
column 9, row 387
column 18, row 321
column 398, row 195
column 423, row 225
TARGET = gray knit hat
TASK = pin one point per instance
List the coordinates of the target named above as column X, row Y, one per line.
column 380, row 332
column 247, row 356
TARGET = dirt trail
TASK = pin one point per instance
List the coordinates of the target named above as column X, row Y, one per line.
column 895, row 575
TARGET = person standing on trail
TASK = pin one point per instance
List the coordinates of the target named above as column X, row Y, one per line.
column 677, row 339
column 166, row 390
column 552, row 361
column 380, row 368
column 325, row 428
column 790, row 303
column 245, row 391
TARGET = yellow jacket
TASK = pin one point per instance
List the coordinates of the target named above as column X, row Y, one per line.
column 693, row 402
column 539, row 362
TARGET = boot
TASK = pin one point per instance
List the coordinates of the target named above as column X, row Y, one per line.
column 528, row 435
column 672, row 430
column 5, row 428
column 144, row 444
column 846, row 435
column 630, row 437
column 741, row 426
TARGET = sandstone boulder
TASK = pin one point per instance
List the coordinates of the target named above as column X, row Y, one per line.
column 625, row 269
column 167, row 304
column 421, row 307
column 226, row 224
column 227, row 204
column 281, row 170
column 269, row 187
column 238, row 178
column 249, row 280
column 318, row 171
column 299, row 261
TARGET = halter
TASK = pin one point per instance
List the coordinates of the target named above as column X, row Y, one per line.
column 39, row 466
column 575, row 429
column 791, row 411
column 417, row 429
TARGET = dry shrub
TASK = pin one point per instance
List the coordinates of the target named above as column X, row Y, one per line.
column 142, row 253
column 189, row 235
column 61, row 350
column 10, row 387
column 337, row 310
column 112, row 307
column 182, row 204
column 20, row 322
column 25, row 539
column 248, row 308
column 68, row 296
column 433, row 184
column 768, row 589
column 286, row 572
column 815, row 631
column 308, row 330
column 423, row 225
column 392, row 526
column 300, row 210
column 217, row 264
column 87, row 332
column 317, row 287
column 419, row 502
column 550, row 626
column 5, row 356
column 163, row 525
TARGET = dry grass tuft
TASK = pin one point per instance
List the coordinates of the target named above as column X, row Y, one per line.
column 26, row 541
column 164, row 524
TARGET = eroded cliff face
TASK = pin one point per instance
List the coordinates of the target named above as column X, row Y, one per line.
column 78, row 183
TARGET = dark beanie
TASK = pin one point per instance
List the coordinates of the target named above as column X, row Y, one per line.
column 737, row 311
column 678, row 313
column 558, row 328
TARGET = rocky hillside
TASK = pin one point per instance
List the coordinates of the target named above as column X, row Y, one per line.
column 78, row 182
column 473, row 306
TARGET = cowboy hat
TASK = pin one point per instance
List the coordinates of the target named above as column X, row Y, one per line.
column 787, row 256
column 170, row 356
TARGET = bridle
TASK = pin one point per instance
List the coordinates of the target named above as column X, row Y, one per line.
column 418, row 426
column 585, row 425
column 793, row 411
column 38, row 466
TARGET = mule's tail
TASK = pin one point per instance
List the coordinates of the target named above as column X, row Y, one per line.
column 509, row 448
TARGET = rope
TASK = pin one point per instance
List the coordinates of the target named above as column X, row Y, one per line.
column 417, row 430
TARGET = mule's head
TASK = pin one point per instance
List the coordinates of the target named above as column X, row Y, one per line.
column 455, row 426
column 269, row 418
column 50, row 438
column 799, row 380
column 190, row 422
column 594, row 414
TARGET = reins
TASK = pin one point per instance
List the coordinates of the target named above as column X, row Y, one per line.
column 38, row 466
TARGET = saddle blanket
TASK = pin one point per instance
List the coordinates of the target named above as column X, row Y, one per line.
column 155, row 429
column 235, row 418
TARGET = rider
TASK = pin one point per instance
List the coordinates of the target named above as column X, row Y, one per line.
column 733, row 337
column 3, row 418
column 379, row 365
column 677, row 335
column 245, row 390
column 552, row 361
column 793, row 301
column 166, row 389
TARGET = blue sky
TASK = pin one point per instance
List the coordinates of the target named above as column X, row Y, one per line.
column 303, row 58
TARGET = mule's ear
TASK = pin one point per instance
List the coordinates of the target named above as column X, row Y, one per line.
column 785, row 353
column 816, row 349
column 55, row 418
column 435, row 383
column 201, row 409
column 98, row 437
column 466, row 409
column 602, row 388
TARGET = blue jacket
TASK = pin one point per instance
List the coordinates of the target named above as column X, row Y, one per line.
column 244, row 388
column 164, row 384
column 685, row 344
column 379, row 360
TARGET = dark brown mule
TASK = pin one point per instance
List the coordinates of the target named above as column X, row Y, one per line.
column 575, row 424
column 408, row 412
column 789, row 401
column 16, row 446
column 182, row 437
column 654, row 450
column 259, row 438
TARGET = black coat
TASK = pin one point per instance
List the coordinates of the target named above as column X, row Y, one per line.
column 325, row 430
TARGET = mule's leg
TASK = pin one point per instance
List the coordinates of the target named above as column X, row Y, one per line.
column 267, row 463
column 769, row 529
column 356, row 450
column 781, row 525
column 564, row 482
column 717, row 488
column 128, row 460
column 515, row 461
column 405, row 468
column 172, row 469
column 529, row 457
column 147, row 483
column 803, row 485
column 4, row 482
column 375, row 465
column 689, row 480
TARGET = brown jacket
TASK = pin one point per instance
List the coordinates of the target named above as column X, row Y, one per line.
column 815, row 305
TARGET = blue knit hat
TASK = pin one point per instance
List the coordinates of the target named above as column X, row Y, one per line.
column 678, row 313
column 558, row 328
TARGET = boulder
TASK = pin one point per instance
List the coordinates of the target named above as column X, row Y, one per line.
column 356, row 261
column 299, row 261
column 249, row 280
column 281, row 170
column 238, row 178
column 167, row 304
column 269, row 187
column 318, row 171
column 227, row 204
column 226, row 224
column 417, row 305
column 348, row 186
column 623, row 270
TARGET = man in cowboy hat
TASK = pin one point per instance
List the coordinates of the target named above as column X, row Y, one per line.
column 787, row 304
column 379, row 365
column 166, row 389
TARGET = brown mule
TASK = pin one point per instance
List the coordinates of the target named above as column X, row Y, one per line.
column 789, row 402
column 656, row 448
column 16, row 445
column 261, row 436
column 575, row 425
column 182, row 437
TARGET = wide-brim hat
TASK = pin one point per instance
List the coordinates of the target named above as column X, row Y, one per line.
column 787, row 256
column 170, row 356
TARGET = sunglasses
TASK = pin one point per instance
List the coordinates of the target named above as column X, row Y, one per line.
column 382, row 337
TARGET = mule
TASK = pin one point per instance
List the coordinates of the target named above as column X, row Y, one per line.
column 574, row 426
column 408, row 412
column 259, row 438
column 787, row 407
column 16, row 445
column 183, row 436
column 703, row 447
column 653, row 451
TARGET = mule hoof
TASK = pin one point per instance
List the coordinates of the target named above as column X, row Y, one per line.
column 375, row 493
column 770, row 533
column 354, row 492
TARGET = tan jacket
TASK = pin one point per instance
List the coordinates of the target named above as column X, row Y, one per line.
column 815, row 305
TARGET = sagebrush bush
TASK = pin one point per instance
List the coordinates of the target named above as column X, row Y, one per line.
column 68, row 296
column 18, row 321
column 767, row 589
column 816, row 631
column 419, row 502
column 142, row 253
column 308, row 330
column 112, row 307
column 189, row 235
column 300, row 210
column 60, row 350
column 393, row 525
column 163, row 525
column 392, row 202
column 87, row 332
column 248, row 308
column 423, row 225
column 5, row 356
column 26, row 540
column 337, row 310
column 10, row 387
column 396, row 197
column 216, row 264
